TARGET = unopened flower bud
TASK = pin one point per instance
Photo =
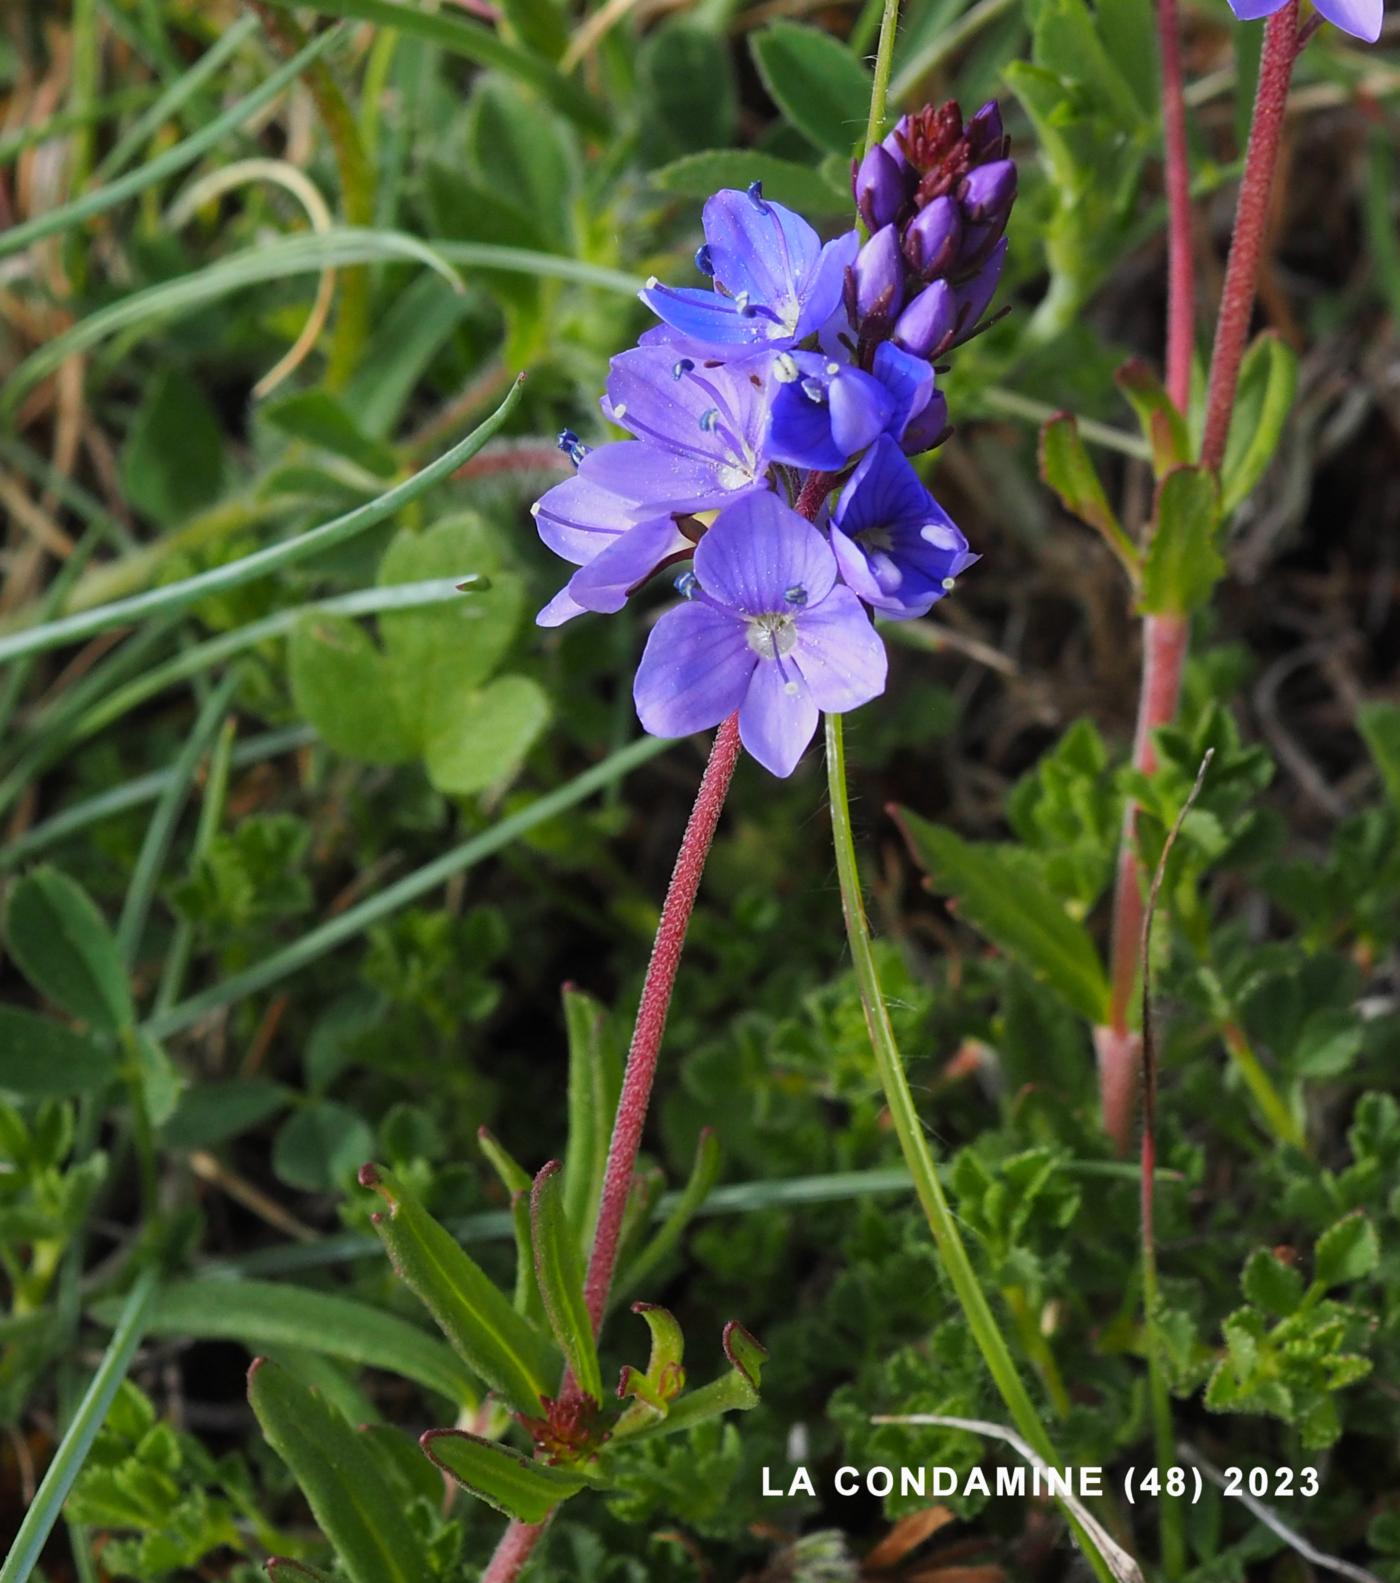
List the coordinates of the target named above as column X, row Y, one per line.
column 975, row 297
column 928, row 321
column 879, row 277
column 985, row 134
column 878, row 187
column 931, row 238
column 926, row 430
column 988, row 191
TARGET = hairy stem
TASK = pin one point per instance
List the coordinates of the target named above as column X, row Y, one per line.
column 519, row 1540
column 651, row 1014
column 884, row 65
column 1251, row 223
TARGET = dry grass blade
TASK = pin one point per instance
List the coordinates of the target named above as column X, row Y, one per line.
column 1117, row 1559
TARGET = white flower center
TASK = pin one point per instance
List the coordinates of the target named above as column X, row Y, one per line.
column 772, row 636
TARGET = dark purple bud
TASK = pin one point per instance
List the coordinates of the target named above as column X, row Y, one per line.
column 879, row 277
column 878, row 188
column 932, row 237
column 929, row 321
column 987, row 193
column 892, row 143
column 975, row 297
column 928, row 429
column 985, row 134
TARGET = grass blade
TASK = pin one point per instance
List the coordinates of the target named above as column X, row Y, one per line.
column 77, row 1440
column 219, row 579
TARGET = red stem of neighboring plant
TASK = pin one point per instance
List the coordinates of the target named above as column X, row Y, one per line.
column 1165, row 638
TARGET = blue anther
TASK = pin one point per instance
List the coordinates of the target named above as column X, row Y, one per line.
column 796, row 595
column 703, row 262
column 755, row 192
column 709, row 419
column 567, row 441
column 686, row 584
column 681, row 368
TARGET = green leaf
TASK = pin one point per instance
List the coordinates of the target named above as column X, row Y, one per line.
column 686, row 92
column 455, row 33
column 496, row 1343
column 173, row 460
column 478, row 740
column 1000, row 893
column 1066, row 468
column 1163, row 427
column 594, row 1079
column 516, row 147
column 1068, row 43
column 322, row 420
column 1379, row 725
column 501, row 1476
column 736, row 1391
column 704, row 1173
column 1328, row 1044
column 539, row 25
column 1270, row 1284
column 41, row 1059
column 1263, row 399
column 63, row 946
column 320, row 1146
column 356, row 1509
column 653, row 1392
column 160, row 1079
column 340, row 684
column 1346, row 1251
column 272, row 1314
column 1183, row 563
column 797, row 186
column 213, row 1112
column 559, row 1272
column 816, row 82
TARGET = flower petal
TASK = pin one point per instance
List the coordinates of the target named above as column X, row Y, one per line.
column 705, row 316
column 778, row 717
column 883, row 490
column 840, row 653
column 579, row 517
column 605, row 582
column 694, row 672
column 1361, row 18
column 861, row 408
column 760, row 551
column 822, row 295
column 663, row 481
column 799, row 432
column 1252, row 10
column 563, row 607
column 760, row 248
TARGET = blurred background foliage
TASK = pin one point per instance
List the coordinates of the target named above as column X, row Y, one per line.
column 294, row 872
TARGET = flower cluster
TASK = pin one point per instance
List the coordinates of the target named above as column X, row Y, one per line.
column 801, row 369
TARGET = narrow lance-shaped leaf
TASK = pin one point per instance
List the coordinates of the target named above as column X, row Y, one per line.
column 593, row 1084
column 1163, row 427
column 495, row 1342
column 354, row 1505
column 1263, row 399
column 516, row 1182
column 704, row 1173
column 1183, row 563
column 502, row 1476
column 1379, row 725
column 560, row 1274
column 1066, row 468
column 999, row 893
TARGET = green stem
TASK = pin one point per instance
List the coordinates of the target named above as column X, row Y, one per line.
column 884, row 65
column 142, row 1133
column 81, row 1432
column 986, row 1331
column 1037, row 1348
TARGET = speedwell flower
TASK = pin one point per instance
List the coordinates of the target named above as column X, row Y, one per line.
column 774, row 281
column 766, row 630
column 895, row 545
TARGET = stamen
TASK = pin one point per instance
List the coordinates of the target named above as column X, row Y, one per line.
column 686, row 584
column 703, row 262
column 572, row 446
column 949, row 584
column 796, row 595
column 785, row 369
column 681, row 368
column 620, row 411
column 814, row 391
column 741, row 302
column 791, row 689
column 709, row 420
column 833, row 368
column 755, row 192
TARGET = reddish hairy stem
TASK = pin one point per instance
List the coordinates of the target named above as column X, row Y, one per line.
column 1251, row 222
column 1165, row 637
column 1181, row 273
column 515, row 1549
